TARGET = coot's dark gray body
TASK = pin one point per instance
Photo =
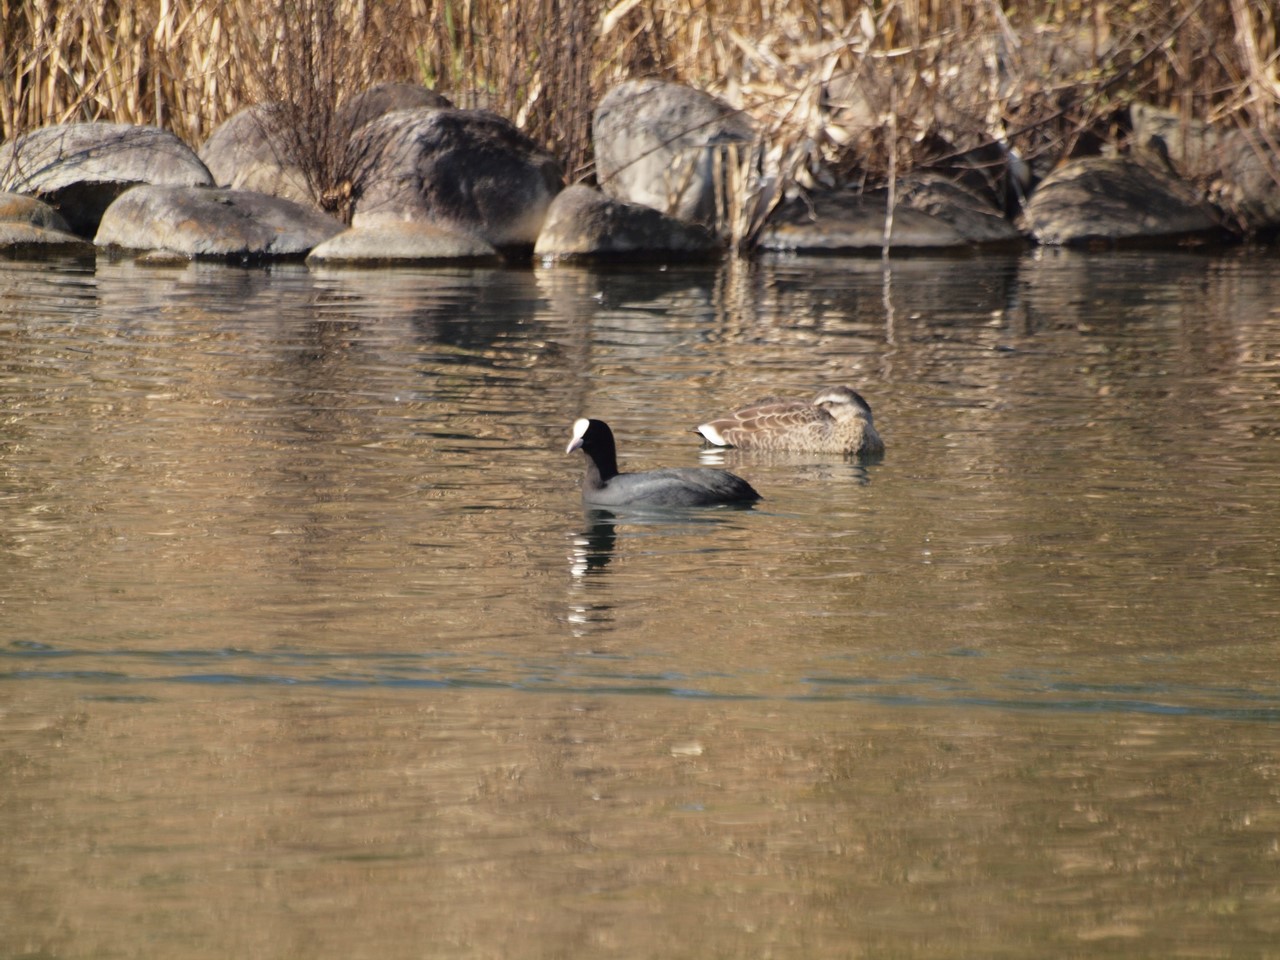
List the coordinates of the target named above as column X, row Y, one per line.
column 604, row 486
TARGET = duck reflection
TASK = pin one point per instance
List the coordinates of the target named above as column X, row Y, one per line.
column 799, row 467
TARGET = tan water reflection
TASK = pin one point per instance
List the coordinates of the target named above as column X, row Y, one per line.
column 308, row 649
column 507, row 825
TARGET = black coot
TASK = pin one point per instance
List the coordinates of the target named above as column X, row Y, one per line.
column 604, row 486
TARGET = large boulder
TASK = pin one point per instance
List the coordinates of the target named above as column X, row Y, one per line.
column 1184, row 144
column 1117, row 201
column 1248, row 183
column 931, row 212
column 80, row 168
column 966, row 205
column 467, row 171
column 583, row 224
column 251, row 150
column 246, row 153
column 656, row 144
column 1241, row 165
column 30, row 227
column 235, row 225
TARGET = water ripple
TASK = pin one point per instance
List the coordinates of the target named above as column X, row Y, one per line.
column 439, row 670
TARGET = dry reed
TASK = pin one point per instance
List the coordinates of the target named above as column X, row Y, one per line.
column 820, row 78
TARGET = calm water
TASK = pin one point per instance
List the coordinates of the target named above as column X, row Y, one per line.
column 307, row 648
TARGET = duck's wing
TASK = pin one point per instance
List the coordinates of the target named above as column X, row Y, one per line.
column 764, row 423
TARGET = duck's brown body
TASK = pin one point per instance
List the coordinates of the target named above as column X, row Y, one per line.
column 837, row 420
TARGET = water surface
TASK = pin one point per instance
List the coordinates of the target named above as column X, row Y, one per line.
column 307, row 646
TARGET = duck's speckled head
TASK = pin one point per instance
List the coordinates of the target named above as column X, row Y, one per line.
column 844, row 403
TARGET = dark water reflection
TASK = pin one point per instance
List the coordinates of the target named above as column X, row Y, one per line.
column 307, row 646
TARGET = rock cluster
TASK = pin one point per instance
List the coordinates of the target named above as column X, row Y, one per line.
column 432, row 183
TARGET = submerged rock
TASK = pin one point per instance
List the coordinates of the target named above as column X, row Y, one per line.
column 81, row 168
column 582, row 223
column 1113, row 200
column 399, row 242
column 31, row 228
column 213, row 223
column 931, row 212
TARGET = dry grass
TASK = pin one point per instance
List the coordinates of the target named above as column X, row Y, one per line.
column 841, row 90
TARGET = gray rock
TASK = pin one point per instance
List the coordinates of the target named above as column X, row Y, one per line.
column 28, row 210
column 213, row 223
column 972, row 213
column 582, row 223
column 989, row 170
column 244, row 153
column 1240, row 165
column 656, row 142
column 31, row 228
column 80, row 168
column 383, row 98
column 1189, row 147
column 250, row 152
column 931, row 212
column 401, row 242
column 1247, row 184
column 1114, row 200
column 464, row 170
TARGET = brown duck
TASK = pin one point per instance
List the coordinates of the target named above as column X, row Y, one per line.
column 837, row 420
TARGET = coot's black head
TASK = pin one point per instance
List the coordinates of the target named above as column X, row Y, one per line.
column 595, row 439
